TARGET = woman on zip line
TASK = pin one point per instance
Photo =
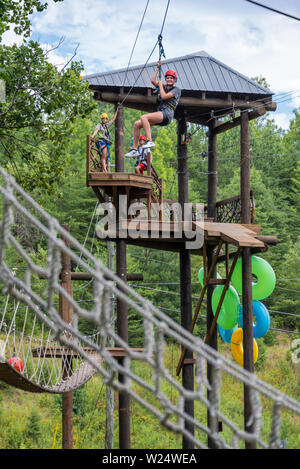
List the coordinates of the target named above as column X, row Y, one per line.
column 167, row 101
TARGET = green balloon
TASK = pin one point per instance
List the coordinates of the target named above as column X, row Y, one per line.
column 200, row 276
column 266, row 279
column 230, row 309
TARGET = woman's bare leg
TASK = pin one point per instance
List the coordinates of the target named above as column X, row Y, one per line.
column 151, row 119
column 136, row 133
column 103, row 159
column 146, row 121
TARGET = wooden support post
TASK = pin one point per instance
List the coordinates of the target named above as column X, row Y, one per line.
column 109, row 420
column 246, row 273
column 161, row 199
column 211, row 213
column 226, row 286
column 206, row 280
column 66, row 312
column 88, row 151
column 119, row 140
column 122, row 330
column 122, row 311
column 148, row 158
column 185, row 279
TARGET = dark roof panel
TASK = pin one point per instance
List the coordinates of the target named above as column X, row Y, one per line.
column 196, row 72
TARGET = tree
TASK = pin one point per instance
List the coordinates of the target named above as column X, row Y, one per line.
column 36, row 120
column 33, row 427
column 42, row 103
column 18, row 13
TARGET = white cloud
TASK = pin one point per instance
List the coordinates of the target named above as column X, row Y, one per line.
column 281, row 119
column 53, row 56
column 10, row 37
column 249, row 39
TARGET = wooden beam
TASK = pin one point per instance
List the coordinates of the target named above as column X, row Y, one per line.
column 224, row 126
column 66, row 313
column 121, row 267
column 142, row 99
column 246, row 275
column 58, row 352
column 185, row 278
column 87, row 276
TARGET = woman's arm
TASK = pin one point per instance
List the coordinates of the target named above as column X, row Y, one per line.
column 154, row 79
column 113, row 117
column 95, row 133
column 163, row 94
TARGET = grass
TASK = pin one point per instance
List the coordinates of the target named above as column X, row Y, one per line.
column 44, row 424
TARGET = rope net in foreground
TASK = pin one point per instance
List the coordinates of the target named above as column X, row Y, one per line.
column 148, row 374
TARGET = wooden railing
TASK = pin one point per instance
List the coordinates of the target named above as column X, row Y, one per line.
column 93, row 164
column 229, row 210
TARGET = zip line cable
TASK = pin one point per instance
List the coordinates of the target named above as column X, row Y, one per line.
column 144, row 66
column 145, row 10
column 280, row 96
column 151, row 53
column 274, row 10
column 164, row 20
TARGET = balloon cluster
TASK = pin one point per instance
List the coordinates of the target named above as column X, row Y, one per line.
column 230, row 319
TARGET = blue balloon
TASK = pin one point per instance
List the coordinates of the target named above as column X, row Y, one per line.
column 226, row 333
column 262, row 319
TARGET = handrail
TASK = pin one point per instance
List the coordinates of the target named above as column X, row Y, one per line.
column 229, row 210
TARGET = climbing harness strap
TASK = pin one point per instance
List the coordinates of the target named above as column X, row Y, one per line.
column 106, row 145
column 160, row 55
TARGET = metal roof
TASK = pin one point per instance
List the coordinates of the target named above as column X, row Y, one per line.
column 196, row 72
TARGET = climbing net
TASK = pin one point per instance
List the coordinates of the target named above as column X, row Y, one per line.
column 28, row 346
column 158, row 391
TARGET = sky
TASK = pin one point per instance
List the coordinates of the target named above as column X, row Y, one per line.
column 250, row 39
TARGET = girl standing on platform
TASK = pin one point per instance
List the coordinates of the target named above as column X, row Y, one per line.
column 167, row 101
column 104, row 141
column 141, row 163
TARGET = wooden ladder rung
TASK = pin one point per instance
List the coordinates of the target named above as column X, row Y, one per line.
column 216, row 281
column 189, row 361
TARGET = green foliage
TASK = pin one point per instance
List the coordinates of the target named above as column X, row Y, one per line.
column 18, row 13
column 37, row 119
column 262, row 354
column 43, row 128
column 33, row 427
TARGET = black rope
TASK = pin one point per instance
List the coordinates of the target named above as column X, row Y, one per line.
column 163, row 24
column 273, row 9
column 136, row 40
column 144, row 66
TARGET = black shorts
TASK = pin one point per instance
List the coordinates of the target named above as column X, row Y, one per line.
column 168, row 115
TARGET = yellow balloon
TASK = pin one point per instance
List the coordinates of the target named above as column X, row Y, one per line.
column 237, row 347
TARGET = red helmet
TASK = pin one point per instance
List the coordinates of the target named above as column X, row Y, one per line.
column 142, row 137
column 171, row 73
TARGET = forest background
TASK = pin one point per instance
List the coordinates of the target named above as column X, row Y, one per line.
column 44, row 120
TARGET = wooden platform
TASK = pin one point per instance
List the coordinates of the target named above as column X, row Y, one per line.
column 168, row 235
column 133, row 185
column 102, row 180
column 58, row 352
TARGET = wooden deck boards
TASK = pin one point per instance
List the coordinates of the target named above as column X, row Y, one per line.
column 234, row 233
column 169, row 232
column 119, row 179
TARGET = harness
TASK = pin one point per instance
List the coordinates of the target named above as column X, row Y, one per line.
column 164, row 103
column 104, row 133
column 106, row 145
